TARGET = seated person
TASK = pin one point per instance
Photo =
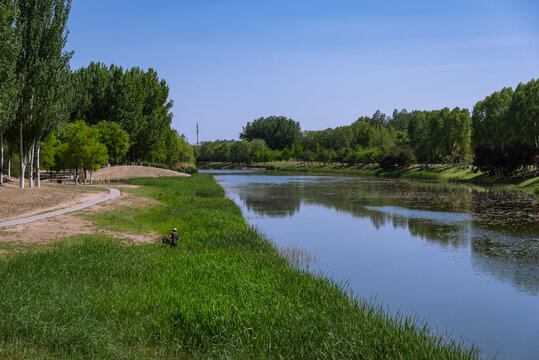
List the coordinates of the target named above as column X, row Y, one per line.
column 172, row 238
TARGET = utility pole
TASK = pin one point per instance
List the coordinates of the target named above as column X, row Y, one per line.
column 197, row 133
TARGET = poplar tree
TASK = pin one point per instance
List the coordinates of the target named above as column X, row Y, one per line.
column 42, row 27
column 8, row 85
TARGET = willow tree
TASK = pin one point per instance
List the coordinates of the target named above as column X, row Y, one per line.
column 42, row 27
column 8, row 86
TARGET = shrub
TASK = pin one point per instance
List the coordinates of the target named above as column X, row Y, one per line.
column 400, row 157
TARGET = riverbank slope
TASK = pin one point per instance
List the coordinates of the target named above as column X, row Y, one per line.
column 224, row 292
column 436, row 172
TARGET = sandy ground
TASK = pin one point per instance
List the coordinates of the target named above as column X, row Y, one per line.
column 52, row 229
column 18, row 203
column 124, row 172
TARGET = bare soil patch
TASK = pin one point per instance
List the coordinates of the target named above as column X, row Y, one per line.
column 16, row 203
column 129, row 171
column 52, row 229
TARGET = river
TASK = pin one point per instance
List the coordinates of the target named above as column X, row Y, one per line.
column 463, row 259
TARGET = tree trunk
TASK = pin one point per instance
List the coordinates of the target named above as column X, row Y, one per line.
column 23, row 164
column 38, row 176
column 90, row 178
column 1, row 158
column 31, row 172
column 76, row 175
column 9, row 163
column 84, row 170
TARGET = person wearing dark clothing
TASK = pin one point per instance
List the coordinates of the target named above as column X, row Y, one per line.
column 172, row 238
column 175, row 237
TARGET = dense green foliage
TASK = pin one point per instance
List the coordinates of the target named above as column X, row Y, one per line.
column 506, row 129
column 175, row 148
column 364, row 141
column 38, row 83
column 8, row 84
column 82, row 148
column 114, row 138
column 223, row 293
column 400, row 157
column 242, row 151
column 134, row 99
column 440, row 136
column 434, row 136
column 39, row 94
column 278, row 132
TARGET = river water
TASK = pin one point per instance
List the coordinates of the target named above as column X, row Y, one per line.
column 464, row 259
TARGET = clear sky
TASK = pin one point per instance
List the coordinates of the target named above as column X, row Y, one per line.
column 323, row 63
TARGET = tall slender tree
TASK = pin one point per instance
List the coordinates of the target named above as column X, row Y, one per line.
column 43, row 29
column 9, row 43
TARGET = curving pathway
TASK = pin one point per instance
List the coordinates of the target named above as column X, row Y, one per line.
column 114, row 193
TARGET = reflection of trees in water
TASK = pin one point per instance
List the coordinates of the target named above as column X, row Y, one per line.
column 354, row 198
column 508, row 257
column 274, row 201
column 410, row 195
column 443, row 234
column 503, row 237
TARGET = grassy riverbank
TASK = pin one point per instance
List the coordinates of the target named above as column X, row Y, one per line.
column 225, row 292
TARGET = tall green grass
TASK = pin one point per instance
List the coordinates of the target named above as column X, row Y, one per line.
column 224, row 292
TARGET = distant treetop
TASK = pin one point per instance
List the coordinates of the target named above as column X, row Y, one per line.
column 279, row 132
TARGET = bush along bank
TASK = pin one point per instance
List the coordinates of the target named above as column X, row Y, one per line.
column 224, row 292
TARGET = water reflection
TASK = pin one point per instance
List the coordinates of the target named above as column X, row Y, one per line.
column 462, row 258
column 501, row 228
column 274, row 201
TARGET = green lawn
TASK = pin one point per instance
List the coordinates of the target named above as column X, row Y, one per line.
column 225, row 292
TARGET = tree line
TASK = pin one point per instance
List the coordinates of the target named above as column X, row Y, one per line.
column 506, row 129
column 501, row 136
column 58, row 118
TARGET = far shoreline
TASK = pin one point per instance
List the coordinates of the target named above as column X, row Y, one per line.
column 438, row 173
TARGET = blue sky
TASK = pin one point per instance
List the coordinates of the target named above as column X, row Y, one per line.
column 321, row 62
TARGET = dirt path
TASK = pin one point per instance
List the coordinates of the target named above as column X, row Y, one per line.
column 129, row 171
column 17, row 203
column 40, row 234
column 114, row 193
